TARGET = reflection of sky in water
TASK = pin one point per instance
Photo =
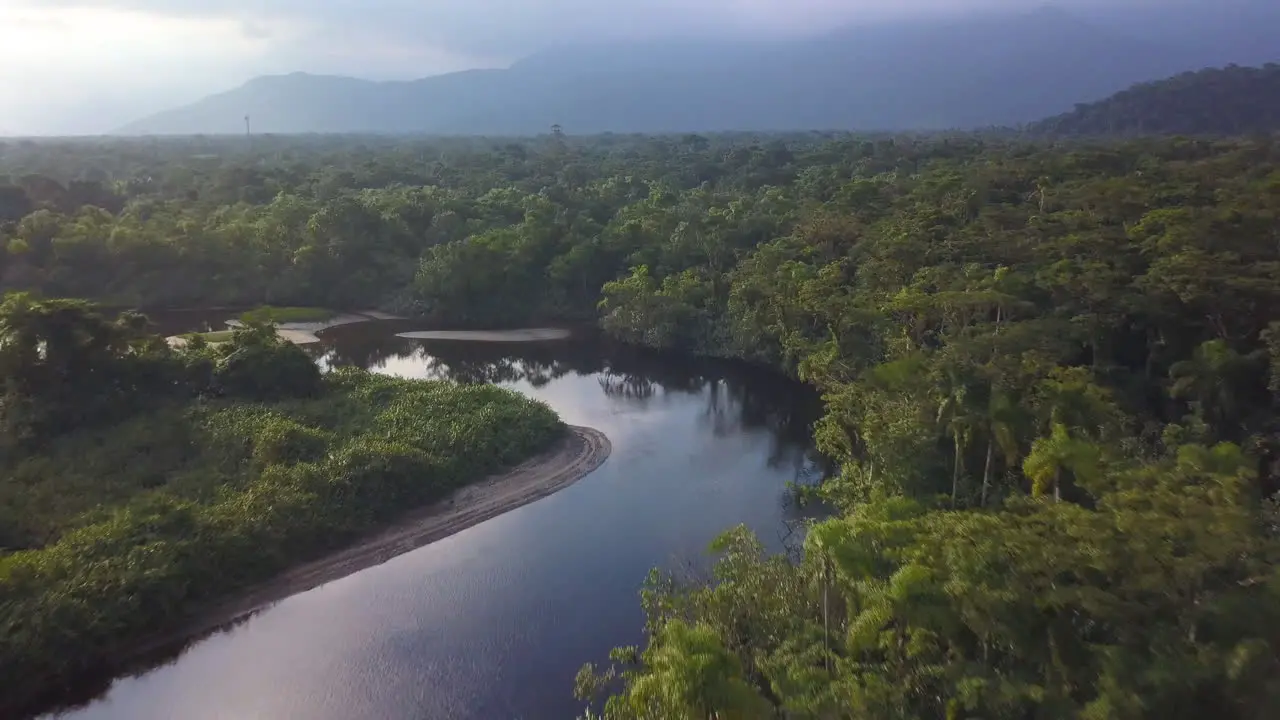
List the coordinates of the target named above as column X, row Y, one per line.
column 494, row 621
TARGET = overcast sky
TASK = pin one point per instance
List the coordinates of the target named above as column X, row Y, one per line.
column 73, row 66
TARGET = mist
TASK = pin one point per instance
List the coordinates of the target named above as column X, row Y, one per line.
column 86, row 66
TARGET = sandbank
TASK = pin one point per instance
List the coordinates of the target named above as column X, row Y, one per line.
column 525, row 335
column 580, row 452
column 304, row 333
column 576, row 455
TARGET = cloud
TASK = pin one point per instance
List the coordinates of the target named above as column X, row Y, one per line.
column 512, row 28
column 163, row 52
column 256, row 31
column 80, row 70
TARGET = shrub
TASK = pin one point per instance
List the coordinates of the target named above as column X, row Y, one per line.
column 255, row 488
column 257, row 364
column 267, row 315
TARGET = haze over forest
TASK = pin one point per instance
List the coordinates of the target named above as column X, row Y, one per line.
column 1009, row 399
column 144, row 66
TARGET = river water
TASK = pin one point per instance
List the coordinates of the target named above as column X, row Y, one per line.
column 493, row 622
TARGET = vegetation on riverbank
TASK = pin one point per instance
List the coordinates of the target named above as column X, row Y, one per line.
column 1052, row 378
column 215, row 336
column 268, row 314
column 229, row 465
column 1051, row 374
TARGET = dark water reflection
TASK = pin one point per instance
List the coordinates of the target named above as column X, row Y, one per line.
column 493, row 622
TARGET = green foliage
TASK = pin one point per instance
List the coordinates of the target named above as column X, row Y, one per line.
column 281, row 441
column 217, row 336
column 267, row 315
column 117, row 532
column 1159, row 602
column 63, row 366
column 692, row 676
column 1050, row 375
column 1046, row 374
column 1219, row 101
column 259, row 365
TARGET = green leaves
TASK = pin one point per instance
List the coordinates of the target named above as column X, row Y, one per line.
column 1054, row 458
column 1059, row 339
column 987, row 319
column 232, row 493
column 691, row 676
column 259, row 365
column 1156, row 602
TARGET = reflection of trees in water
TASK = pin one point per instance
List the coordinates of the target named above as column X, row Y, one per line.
column 366, row 345
column 89, row 688
column 747, row 399
column 472, row 362
column 640, row 376
column 502, row 370
column 738, row 398
column 628, row 387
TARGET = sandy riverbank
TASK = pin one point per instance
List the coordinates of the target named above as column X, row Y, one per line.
column 304, row 333
column 526, row 335
column 581, row 451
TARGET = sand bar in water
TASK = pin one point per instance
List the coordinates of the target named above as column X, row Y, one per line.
column 304, row 333
column 526, row 335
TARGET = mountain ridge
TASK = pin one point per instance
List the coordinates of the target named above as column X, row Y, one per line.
column 1232, row 100
column 977, row 71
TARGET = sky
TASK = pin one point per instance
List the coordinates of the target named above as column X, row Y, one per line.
column 88, row 66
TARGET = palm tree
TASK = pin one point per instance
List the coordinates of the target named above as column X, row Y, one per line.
column 1052, row 456
column 959, row 419
column 692, row 676
column 1070, row 397
column 1043, row 184
column 1002, row 418
column 1209, row 379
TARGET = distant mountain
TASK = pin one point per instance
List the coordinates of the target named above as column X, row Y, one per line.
column 1229, row 101
column 1208, row 33
column 980, row 70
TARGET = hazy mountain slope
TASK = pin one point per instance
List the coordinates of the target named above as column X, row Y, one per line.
column 1227, row 101
column 981, row 70
column 1209, row 33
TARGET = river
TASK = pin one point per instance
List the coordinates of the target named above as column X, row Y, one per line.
column 493, row 622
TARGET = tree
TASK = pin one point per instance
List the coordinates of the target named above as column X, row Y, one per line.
column 260, row 365
column 1211, row 379
column 693, row 678
column 1002, row 419
column 957, row 416
column 1052, row 457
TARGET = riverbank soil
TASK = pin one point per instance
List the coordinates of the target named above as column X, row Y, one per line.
column 304, row 333
column 581, row 452
column 577, row 454
column 526, row 335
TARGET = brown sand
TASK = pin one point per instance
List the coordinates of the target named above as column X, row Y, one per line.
column 304, row 333
column 581, row 451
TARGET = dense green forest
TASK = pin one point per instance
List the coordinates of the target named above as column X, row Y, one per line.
column 140, row 483
column 333, row 223
column 1051, row 373
column 1216, row 101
